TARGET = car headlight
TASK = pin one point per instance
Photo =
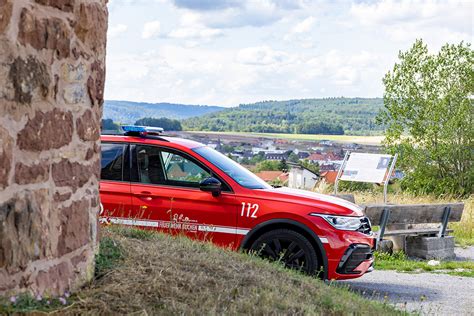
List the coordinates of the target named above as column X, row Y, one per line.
column 341, row 222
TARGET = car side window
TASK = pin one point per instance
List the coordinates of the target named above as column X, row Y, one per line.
column 112, row 161
column 180, row 171
column 149, row 165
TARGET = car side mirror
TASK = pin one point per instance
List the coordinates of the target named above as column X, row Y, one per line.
column 211, row 185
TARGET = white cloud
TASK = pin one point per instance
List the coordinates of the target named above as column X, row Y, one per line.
column 304, row 26
column 191, row 28
column 116, row 30
column 260, row 55
column 151, row 29
column 407, row 20
column 235, row 14
column 195, row 33
column 251, row 50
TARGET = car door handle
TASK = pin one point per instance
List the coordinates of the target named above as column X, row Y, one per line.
column 145, row 195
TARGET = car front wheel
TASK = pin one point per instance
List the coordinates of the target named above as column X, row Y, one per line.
column 288, row 247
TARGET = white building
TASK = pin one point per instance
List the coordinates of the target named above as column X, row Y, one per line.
column 301, row 178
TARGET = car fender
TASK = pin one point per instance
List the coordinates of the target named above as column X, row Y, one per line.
column 255, row 230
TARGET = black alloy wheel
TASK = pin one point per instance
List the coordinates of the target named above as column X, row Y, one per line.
column 288, row 247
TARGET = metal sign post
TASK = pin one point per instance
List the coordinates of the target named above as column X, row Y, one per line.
column 341, row 169
column 387, row 179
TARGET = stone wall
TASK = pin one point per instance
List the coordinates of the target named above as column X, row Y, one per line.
column 52, row 72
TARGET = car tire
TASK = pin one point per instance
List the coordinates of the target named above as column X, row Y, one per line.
column 288, row 247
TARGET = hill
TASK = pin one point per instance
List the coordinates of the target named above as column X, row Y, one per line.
column 140, row 272
column 334, row 116
column 128, row 112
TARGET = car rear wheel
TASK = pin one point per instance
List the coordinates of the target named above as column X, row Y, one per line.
column 288, row 247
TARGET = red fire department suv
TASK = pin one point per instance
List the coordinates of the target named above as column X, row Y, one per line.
column 181, row 186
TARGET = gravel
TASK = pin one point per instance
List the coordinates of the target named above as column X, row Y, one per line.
column 424, row 293
column 464, row 254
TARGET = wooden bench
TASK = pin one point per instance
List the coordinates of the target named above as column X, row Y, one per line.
column 412, row 214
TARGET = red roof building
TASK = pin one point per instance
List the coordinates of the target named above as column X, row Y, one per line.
column 270, row 176
column 329, row 176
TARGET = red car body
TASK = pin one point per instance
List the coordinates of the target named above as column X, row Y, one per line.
column 236, row 216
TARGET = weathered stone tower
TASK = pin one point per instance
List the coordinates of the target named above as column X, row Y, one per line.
column 52, row 72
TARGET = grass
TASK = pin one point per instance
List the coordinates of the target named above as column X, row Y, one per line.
column 161, row 274
column 366, row 140
column 399, row 262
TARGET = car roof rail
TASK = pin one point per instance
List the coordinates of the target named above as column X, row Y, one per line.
column 148, row 132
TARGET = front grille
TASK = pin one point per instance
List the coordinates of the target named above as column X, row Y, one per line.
column 353, row 257
column 365, row 227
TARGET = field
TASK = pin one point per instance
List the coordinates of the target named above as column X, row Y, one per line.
column 365, row 140
column 146, row 273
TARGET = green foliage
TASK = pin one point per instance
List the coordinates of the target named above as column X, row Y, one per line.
column 110, row 252
column 292, row 157
column 127, row 112
column 142, row 234
column 257, row 158
column 312, row 166
column 400, row 262
column 352, row 186
column 282, row 165
column 319, row 128
column 228, row 148
column 268, row 165
column 25, row 304
column 429, row 114
column 165, row 123
column 108, row 124
column 308, row 116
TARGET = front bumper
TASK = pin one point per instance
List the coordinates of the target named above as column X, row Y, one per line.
column 338, row 245
column 357, row 259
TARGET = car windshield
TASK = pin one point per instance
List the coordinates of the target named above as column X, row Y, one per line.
column 241, row 175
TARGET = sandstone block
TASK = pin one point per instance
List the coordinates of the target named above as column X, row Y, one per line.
column 87, row 127
column 63, row 5
column 5, row 14
column 91, row 26
column 70, row 174
column 6, row 145
column 74, row 93
column 22, row 230
column 95, row 84
column 48, row 33
column 46, row 131
column 74, row 229
column 35, row 173
column 28, row 75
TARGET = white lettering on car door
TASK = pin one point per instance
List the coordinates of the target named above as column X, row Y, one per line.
column 249, row 210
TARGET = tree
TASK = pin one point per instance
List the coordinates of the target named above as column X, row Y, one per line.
column 428, row 114
column 314, row 167
column 292, row 157
column 267, row 165
column 108, row 124
column 165, row 123
column 282, row 165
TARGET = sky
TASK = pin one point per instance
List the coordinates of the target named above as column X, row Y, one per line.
column 231, row 52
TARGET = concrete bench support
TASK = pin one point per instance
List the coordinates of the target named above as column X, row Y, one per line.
column 430, row 247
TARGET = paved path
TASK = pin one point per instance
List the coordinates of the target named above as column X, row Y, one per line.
column 424, row 293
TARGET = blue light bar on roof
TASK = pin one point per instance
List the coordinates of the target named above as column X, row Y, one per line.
column 133, row 128
column 141, row 129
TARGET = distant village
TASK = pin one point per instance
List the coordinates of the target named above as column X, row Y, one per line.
column 300, row 164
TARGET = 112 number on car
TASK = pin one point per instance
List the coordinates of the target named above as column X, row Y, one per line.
column 249, row 210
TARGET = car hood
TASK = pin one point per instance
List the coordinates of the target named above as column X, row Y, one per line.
column 323, row 203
